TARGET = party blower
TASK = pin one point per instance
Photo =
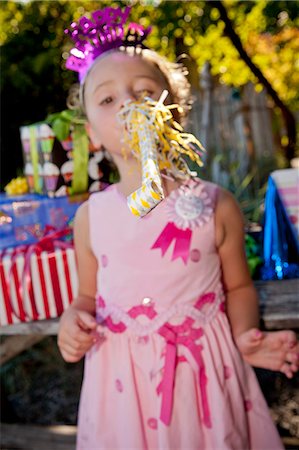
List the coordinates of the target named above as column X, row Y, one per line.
column 160, row 144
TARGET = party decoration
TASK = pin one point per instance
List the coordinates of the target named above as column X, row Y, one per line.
column 58, row 157
column 105, row 30
column 281, row 238
column 153, row 136
column 188, row 207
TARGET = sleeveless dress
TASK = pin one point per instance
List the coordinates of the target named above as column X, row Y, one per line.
column 166, row 373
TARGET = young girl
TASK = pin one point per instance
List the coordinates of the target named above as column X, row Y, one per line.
column 167, row 335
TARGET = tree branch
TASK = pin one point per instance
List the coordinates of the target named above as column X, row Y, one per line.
column 288, row 116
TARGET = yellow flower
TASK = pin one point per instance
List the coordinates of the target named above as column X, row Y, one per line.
column 17, row 186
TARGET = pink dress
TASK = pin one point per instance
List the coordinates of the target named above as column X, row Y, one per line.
column 166, row 373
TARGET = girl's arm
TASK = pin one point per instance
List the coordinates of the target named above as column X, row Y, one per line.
column 242, row 301
column 272, row 350
column 77, row 330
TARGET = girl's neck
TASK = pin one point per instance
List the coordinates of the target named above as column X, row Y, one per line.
column 130, row 176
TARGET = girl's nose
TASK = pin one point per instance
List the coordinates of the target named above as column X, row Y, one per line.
column 127, row 97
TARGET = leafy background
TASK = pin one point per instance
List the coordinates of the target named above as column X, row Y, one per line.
column 34, row 81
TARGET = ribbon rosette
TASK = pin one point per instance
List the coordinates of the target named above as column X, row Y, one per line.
column 187, row 210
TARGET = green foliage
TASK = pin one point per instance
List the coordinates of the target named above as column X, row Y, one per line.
column 267, row 30
column 64, row 122
column 35, row 83
column 253, row 252
column 249, row 190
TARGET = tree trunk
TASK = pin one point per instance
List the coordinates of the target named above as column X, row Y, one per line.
column 288, row 117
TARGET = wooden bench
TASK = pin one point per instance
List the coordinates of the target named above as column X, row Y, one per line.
column 35, row 437
column 279, row 308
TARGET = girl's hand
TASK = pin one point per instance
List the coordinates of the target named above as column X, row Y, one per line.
column 276, row 350
column 77, row 334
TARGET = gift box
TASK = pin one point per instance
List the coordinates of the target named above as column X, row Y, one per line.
column 37, row 282
column 287, row 184
column 281, row 226
column 57, row 168
column 24, row 218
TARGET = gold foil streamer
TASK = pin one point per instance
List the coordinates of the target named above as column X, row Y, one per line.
column 154, row 137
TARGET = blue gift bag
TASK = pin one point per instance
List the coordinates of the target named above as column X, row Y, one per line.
column 281, row 243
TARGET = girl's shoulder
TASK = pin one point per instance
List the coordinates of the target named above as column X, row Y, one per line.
column 102, row 195
column 81, row 216
column 210, row 189
column 224, row 199
column 226, row 202
column 83, row 212
column 102, row 200
column 228, row 214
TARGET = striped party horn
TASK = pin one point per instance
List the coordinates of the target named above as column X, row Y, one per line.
column 150, row 193
column 145, row 198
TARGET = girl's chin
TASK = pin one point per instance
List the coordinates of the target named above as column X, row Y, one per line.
column 122, row 153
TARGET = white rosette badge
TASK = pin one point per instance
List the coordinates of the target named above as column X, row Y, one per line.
column 187, row 209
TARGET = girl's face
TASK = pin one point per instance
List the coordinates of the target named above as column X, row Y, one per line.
column 114, row 79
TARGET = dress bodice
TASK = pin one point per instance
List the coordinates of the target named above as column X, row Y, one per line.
column 168, row 256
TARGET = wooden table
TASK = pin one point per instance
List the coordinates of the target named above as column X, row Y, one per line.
column 279, row 308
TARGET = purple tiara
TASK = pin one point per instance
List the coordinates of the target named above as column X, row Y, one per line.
column 103, row 32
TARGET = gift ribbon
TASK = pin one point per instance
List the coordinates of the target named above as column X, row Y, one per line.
column 80, row 155
column 49, row 242
column 8, row 306
column 34, row 157
column 182, row 241
column 13, row 274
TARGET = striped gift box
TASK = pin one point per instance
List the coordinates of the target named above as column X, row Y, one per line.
column 41, row 289
column 287, row 183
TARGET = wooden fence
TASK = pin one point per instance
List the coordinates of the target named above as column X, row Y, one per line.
column 233, row 125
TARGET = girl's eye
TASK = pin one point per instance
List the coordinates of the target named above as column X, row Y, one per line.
column 106, row 101
column 144, row 93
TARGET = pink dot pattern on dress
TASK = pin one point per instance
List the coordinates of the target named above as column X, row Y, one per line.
column 228, row 372
column 152, row 423
column 143, row 339
column 247, row 405
column 195, row 255
column 119, row 385
column 104, row 260
column 222, row 307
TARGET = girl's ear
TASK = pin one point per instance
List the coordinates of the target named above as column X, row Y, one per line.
column 92, row 136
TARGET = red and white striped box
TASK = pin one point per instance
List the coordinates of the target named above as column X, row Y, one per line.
column 40, row 289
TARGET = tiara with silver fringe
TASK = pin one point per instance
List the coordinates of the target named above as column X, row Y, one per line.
column 104, row 31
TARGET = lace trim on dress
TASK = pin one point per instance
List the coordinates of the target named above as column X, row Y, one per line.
column 118, row 319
